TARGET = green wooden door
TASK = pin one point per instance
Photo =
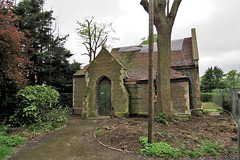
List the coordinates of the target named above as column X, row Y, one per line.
column 104, row 94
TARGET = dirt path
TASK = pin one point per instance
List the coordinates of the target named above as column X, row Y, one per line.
column 75, row 142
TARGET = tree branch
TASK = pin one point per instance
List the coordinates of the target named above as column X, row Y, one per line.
column 145, row 4
column 174, row 8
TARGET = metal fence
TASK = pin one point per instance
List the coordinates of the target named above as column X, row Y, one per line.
column 228, row 99
column 236, row 112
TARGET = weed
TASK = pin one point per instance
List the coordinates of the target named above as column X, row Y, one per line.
column 5, row 151
column 161, row 118
column 104, row 127
column 163, row 149
column 158, row 149
column 7, row 142
column 235, row 148
column 98, row 132
column 208, row 147
column 160, row 134
column 185, row 142
column 169, row 135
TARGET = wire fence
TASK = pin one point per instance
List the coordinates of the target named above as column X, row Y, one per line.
column 228, row 99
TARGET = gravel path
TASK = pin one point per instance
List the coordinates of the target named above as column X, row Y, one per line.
column 74, row 142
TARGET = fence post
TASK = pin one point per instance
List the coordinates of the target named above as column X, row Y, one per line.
column 234, row 104
column 238, row 122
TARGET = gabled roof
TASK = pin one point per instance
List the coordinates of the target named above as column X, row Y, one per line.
column 135, row 59
column 82, row 72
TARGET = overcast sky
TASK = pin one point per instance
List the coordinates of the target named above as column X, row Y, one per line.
column 217, row 23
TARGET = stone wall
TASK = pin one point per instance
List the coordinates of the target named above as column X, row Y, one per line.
column 79, row 87
column 138, row 98
column 195, row 92
column 195, row 98
column 105, row 65
column 180, row 98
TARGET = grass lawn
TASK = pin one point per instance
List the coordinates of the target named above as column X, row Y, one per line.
column 210, row 107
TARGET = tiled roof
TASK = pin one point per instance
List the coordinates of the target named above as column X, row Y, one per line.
column 81, row 72
column 135, row 59
column 176, row 45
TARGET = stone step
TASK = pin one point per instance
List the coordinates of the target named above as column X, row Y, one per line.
column 214, row 113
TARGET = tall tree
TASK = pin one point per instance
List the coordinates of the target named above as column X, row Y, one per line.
column 51, row 58
column 212, row 79
column 15, row 64
column 93, row 35
column 232, row 78
column 163, row 20
column 32, row 19
column 14, row 60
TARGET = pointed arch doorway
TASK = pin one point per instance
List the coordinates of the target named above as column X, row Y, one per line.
column 104, row 97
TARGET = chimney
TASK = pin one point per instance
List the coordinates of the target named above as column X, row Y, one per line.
column 195, row 47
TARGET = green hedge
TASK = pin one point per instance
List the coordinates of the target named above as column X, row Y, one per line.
column 207, row 97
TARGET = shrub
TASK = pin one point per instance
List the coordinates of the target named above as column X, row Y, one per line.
column 37, row 108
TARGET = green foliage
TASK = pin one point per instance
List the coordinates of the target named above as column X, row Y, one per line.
column 146, row 40
column 50, row 57
column 207, row 97
column 212, row 79
column 163, row 149
column 94, row 35
column 158, row 149
column 160, row 118
column 104, row 127
column 209, row 148
column 37, row 108
column 98, row 132
column 7, row 142
column 5, row 151
column 232, row 78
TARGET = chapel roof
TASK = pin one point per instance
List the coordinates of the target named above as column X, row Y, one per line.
column 135, row 59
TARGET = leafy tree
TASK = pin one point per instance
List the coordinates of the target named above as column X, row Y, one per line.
column 51, row 65
column 33, row 19
column 93, row 35
column 163, row 20
column 15, row 64
column 212, row 79
column 232, row 78
column 14, row 60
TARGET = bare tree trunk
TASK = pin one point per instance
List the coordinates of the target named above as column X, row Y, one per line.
column 164, row 23
column 163, row 72
column 150, row 76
